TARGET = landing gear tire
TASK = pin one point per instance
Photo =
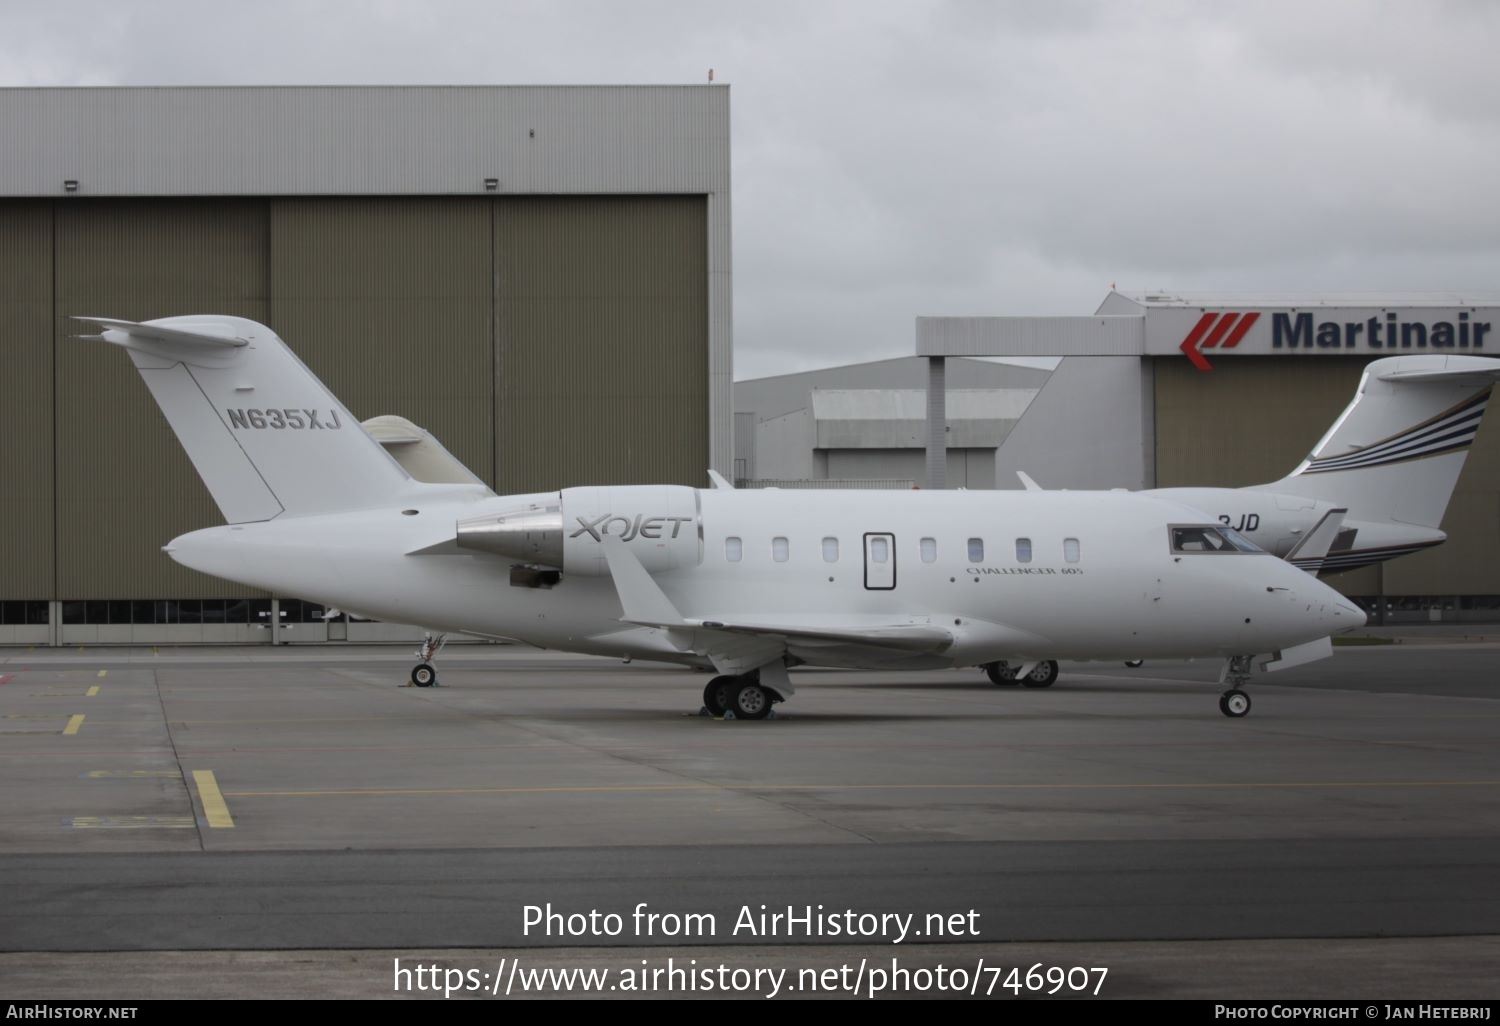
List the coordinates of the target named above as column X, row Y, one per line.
column 750, row 702
column 1044, row 675
column 1134, row 664
column 423, row 675
column 1234, row 703
column 1000, row 675
column 717, row 693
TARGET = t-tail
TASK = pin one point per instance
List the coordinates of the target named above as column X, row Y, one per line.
column 264, row 434
column 1396, row 451
column 1392, row 459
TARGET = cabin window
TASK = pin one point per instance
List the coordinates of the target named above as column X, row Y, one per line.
column 929, row 550
column 780, row 549
column 830, row 550
column 976, row 550
column 880, row 550
column 1070, row 550
column 1193, row 538
column 1023, row 550
column 734, row 549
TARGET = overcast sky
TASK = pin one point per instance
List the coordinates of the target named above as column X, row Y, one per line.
column 895, row 159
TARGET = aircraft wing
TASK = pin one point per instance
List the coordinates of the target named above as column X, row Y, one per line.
column 1309, row 553
column 737, row 646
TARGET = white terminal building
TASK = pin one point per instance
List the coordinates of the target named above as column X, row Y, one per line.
column 1152, row 390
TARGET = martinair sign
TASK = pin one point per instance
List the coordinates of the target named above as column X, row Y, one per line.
column 1199, row 333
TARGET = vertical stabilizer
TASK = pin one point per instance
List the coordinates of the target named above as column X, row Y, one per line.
column 1396, row 451
column 265, row 435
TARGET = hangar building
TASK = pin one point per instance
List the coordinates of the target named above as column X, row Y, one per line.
column 864, row 425
column 540, row 276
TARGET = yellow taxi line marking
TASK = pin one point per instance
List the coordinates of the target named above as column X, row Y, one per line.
column 74, row 722
column 376, row 792
column 215, row 808
column 91, row 692
column 104, row 673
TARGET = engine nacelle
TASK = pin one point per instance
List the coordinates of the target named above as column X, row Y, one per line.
column 661, row 525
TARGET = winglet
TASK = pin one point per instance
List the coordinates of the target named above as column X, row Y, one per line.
column 1309, row 553
column 641, row 598
column 720, row 484
column 1030, row 485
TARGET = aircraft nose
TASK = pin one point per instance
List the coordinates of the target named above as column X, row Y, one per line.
column 1347, row 616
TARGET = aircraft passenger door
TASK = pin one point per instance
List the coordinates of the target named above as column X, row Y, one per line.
column 880, row 562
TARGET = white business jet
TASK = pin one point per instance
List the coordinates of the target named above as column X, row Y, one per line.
column 751, row 583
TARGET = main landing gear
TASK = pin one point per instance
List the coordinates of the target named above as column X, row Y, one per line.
column 1234, row 703
column 1041, row 675
column 424, row 674
column 744, row 696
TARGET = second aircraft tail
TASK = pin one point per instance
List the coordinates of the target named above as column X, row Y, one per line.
column 1396, row 451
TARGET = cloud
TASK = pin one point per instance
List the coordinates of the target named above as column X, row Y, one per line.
column 917, row 157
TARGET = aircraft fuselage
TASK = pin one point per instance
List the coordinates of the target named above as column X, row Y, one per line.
column 1009, row 575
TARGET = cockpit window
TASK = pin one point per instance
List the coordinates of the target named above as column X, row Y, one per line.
column 1203, row 538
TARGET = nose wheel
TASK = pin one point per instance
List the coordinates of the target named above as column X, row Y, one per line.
column 1234, row 703
column 424, row 674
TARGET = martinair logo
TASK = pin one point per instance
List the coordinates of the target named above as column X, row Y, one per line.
column 1215, row 330
column 1298, row 331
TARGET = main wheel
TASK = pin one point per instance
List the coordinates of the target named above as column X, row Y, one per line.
column 716, row 694
column 1234, row 703
column 1043, row 675
column 423, row 675
column 1000, row 674
column 750, row 702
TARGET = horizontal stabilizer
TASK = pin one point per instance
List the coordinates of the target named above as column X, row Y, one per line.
column 1310, row 552
column 209, row 333
column 1466, row 374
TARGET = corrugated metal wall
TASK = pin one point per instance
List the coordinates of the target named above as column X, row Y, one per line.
column 26, row 481
column 124, row 485
column 546, row 342
column 1268, row 413
column 601, row 315
column 388, row 301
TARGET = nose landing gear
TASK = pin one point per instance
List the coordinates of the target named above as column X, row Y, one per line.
column 424, row 674
column 1234, row 703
